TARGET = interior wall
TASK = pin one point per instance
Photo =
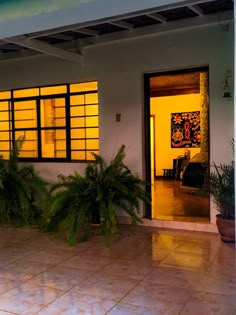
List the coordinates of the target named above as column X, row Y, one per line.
column 119, row 69
column 161, row 108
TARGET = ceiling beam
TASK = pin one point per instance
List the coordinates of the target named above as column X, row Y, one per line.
column 86, row 31
column 152, row 30
column 84, row 26
column 47, row 49
column 60, row 36
column 196, row 9
column 9, row 47
column 157, row 17
column 122, row 24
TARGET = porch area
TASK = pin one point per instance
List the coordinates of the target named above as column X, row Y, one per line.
column 145, row 270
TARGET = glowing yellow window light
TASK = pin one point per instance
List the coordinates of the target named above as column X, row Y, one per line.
column 4, row 135
column 78, row 155
column 26, row 92
column 5, row 95
column 77, row 111
column 83, row 87
column 91, row 98
column 52, row 90
column 92, row 133
column 92, row 110
column 77, row 133
column 78, row 144
column 77, row 100
column 91, row 144
column 90, row 156
column 4, row 106
column 25, row 114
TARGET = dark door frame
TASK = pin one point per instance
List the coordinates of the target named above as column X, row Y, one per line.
column 147, row 146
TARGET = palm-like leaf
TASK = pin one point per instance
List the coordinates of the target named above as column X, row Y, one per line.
column 75, row 200
column 20, row 187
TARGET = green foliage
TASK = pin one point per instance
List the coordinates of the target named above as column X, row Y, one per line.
column 20, row 188
column 77, row 200
column 222, row 189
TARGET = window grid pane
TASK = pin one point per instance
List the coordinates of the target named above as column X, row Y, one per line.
column 5, row 129
column 41, row 119
column 84, row 125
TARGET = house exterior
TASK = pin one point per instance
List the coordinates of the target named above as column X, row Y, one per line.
column 117, row 58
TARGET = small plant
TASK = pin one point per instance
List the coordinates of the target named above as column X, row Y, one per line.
column 77, row 200
column 20, row 188
column 222, row 189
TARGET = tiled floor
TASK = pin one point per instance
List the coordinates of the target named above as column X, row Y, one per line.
column 145, row 271
column 172, row 201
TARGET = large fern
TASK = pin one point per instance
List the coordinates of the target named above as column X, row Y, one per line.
column 77, row 200
column 20, row 188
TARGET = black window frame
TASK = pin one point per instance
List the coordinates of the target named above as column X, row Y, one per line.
column 38, row 127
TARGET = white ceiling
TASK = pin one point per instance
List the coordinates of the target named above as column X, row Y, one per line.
column 78, row 30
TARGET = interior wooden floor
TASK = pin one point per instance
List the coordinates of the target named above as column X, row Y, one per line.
column 171, row 201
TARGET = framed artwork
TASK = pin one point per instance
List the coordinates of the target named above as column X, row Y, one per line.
column 185, row 130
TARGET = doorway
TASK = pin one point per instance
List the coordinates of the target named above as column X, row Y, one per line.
column 177, row 144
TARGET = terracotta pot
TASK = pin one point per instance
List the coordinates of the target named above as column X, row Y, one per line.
column 226, row 229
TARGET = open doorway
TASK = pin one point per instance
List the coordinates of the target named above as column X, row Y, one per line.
column 177, row 144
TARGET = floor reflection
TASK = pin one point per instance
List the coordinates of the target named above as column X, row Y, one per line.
column 171, row 201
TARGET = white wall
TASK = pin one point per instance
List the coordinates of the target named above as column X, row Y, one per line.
column 119, row 69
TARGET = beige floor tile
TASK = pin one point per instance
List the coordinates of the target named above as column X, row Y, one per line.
column 87, row 262
column 126, row 309
column 7, row 284
column 203, row 303
column 165, row 299
column 127, row 268
column 6, row 260
column 53, row 256
column 23, row 270
column 201, row 247
column 75, row 304
column 150, row 258
column 169, row 264
column 27, row 299
column 105, row 286
column 219, row 279
column 187, row 260
column 176, row 277
column 60, row 278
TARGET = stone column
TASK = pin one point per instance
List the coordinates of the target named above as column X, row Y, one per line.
column 202, row 156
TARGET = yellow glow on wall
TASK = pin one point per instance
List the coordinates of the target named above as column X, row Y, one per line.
column 161, row 108
column 84, row 87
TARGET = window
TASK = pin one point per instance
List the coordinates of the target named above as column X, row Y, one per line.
column 57, row 122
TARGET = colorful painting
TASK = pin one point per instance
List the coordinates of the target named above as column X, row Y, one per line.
column 185, row 130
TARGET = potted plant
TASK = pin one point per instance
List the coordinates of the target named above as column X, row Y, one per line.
column 77, row 201
column 223, row 192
